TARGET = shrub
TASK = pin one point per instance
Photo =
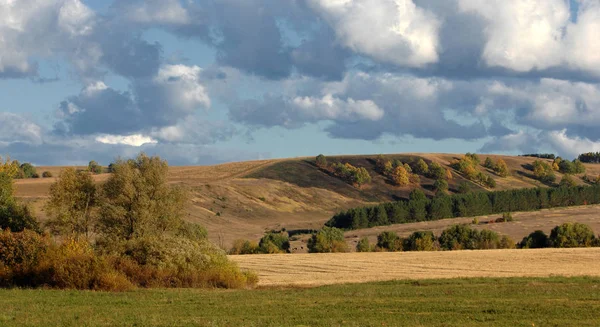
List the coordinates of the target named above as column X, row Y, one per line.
column 389, row 241
column 46, row 174
column 567, row 181
column 506, row 243
column 421, row 167
column 458, row 237
column 363, row 245
column 275, row 243
column 440, row 186
column 464, row 188
column 421, row 241
column 535, row 240
column 572, row 235
column 244, row 247
column 94, row 167
column 321, row 161
column 328, row 239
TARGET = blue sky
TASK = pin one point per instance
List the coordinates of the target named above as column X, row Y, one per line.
column 209, row 81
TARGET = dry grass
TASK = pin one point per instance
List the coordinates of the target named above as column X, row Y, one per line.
column 336, row 268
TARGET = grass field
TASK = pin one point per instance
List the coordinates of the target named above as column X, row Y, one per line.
column 511, row 302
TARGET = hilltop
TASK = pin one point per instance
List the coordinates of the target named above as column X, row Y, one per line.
column 243, row 199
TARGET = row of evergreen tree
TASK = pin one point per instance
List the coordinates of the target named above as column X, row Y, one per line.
column 419, row 208
column 590, row 157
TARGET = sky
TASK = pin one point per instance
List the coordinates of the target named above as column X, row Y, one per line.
column 202, row 82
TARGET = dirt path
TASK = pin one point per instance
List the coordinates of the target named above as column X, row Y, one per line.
column 334, row 268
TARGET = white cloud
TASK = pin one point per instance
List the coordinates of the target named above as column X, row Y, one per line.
column 132, row 140
column 156, row 11
column 571, row 147
column 330, row 107
column 392, row 31
column 15, row 128
column 522, row 35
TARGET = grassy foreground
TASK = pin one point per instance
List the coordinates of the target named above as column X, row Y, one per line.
column 453, row 302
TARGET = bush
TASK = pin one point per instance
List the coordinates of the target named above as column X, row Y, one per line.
column 244, row 247
column 458, row 237
column 46, row 174
column 572, row 235
column 321, row 161
column 363, row 245
column 535, row 240
column 421, row 241
column 94, row 167
column 328, row 239
column 389, row 241
column 274, row 242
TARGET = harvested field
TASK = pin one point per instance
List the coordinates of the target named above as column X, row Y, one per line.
column 335, row 268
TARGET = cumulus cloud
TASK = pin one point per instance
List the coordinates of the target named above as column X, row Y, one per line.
column 15, row 128
column 396, row 32
column 571, row 147
column 176, row 92
column 133, row 140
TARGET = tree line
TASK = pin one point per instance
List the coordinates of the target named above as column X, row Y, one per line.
column 356, row 176
column 590, row 157
column 420, row 208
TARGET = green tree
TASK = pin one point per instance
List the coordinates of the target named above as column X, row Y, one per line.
column 572, row 235
column 321, row 161
column 458, row 237
column 436, row 171
column 274, row 243
column 94, row 167
column 488, row 163
column 28, row 170
column 421, row 167
column 14, row 216
column 327, row 240
column 440, row 186
column 363, row 245
column 138, row 201
column 389, row 241
column 421, row 241
column 72, row 204
column 535, row 240
column 568, row 181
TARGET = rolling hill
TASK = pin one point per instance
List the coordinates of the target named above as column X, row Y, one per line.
column 243, row 199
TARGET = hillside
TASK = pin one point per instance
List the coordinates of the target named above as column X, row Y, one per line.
column 242, row 200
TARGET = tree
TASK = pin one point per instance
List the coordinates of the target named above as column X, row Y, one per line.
column 94, row 167
column 72, row 204
column 535, row 240
column 389, row 241
column 464, row 188
column 28, row 170
column 137, row 201
column 458, row 237
column 363, row 245
column 327, row 240
column 578, row 166
column 571, row 235
column 440, row 186
column 436, row 171
column 13, row 215
column 488, row 163
column 421, row 241
column 274, row 243
column 421, row 167
column 362, row 176
column 400, row 176
column 567, row 181
column 321, row 161
column 501, row 168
